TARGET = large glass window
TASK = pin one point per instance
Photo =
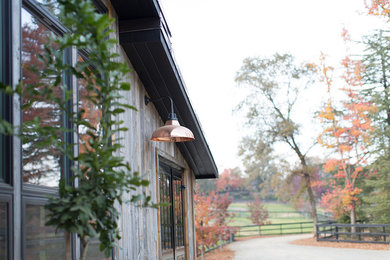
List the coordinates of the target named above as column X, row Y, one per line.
column 1, row 39
column 172, row 215
column 41, row 165
column 41, row 241
column 91, row 112
column 165, row 211
column 2, row 22
column 5, row 101
column 4, row 230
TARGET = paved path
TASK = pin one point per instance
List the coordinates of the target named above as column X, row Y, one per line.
column 278, row 248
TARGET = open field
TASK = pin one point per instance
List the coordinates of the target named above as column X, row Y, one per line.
column 278, row 213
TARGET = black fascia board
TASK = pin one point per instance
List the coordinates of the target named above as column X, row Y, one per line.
column 135, row 9
column 149, row 53
column 140, row 9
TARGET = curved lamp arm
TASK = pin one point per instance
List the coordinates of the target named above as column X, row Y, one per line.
column 172, row 115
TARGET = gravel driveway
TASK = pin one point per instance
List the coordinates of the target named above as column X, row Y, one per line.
column 278, row 248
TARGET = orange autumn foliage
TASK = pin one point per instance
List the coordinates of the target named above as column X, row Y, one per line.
column 339, row 200
column 347, row 133
column 378, row 8
column 211, row 219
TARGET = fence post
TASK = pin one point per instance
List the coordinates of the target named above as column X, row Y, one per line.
column 384, row 234
column 317, row 231
column 301, row 228
column 337, row 233
column 281, row 230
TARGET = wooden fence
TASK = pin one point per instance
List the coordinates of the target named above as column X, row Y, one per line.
column 275, row 229
column 283, row 214
column 364, row 233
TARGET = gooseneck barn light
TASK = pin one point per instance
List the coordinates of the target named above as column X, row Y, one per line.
column 171, row 131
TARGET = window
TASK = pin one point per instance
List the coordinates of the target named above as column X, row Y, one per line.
column 6, row 234
column 5, row 101
column 41, row 165
column 2, row 22
column 41, row 241
column 93, row 114
column 172, row 216
column 4, row 229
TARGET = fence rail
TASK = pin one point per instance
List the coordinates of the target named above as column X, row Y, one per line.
column 275, row 229
column 283, row 214
column 357, row 233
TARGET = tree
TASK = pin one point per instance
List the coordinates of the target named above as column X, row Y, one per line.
column 259, row 164
column 211, row 219
column 275, row 84
column 230, row 180
column 206, row 232
column 378, row 8
column 293, row 189
column 347, row 132
column 258, row 213
column 376, row 79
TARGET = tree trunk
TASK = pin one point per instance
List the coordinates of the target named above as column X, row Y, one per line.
column 312, row 202
column 84, row 249
column 353, row 217
column 68, row 252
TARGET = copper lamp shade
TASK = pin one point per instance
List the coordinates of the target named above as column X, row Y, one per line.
column 172, row 131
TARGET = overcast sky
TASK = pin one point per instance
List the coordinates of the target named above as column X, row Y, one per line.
column 212, row 37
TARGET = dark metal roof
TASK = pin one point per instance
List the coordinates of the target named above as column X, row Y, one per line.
column 144, row 36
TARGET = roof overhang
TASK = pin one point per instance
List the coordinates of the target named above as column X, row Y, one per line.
column 144, row 36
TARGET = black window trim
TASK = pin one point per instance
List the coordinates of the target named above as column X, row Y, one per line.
column 174, row 172
column 44, row 16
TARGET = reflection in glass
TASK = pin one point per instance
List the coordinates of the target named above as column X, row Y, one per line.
column 3, row 230
column 94, row 252
column 179, row 216
column 172, row 216
column 42, row 242
column 51, row 5
column 41, row 165
column 1, row 80
column 165, row 211
column 90, row 112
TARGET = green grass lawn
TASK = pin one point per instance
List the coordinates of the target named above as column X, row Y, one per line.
column 279, row 213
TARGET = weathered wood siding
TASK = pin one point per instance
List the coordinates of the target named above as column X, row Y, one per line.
column 139, row 226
